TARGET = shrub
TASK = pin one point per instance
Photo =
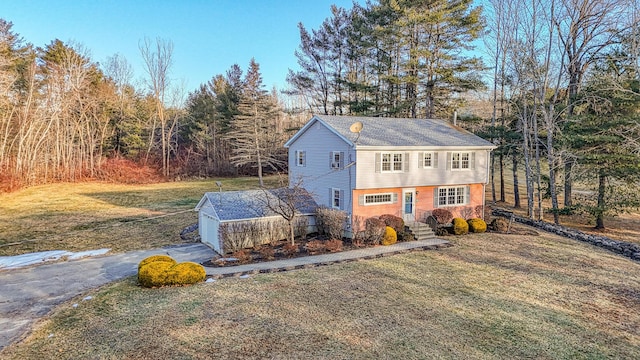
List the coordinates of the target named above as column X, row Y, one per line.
column 390, row 237
column 334, row 245
column 373, row 230
column 406, row 236
column 394, row 221
column 154, row 274
column 162, row 270
column 477, row 225
column 500, row 225
column 460, row 226
column 331, row 222
column 186, row 273
column 315, row 246
column 443, row 216
column 155, row 258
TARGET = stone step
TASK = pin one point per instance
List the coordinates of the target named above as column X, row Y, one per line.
column 420, row 231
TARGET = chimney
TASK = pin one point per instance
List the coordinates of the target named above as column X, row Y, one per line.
column 455, row 117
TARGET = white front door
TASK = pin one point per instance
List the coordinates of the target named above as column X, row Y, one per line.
column 409, row 205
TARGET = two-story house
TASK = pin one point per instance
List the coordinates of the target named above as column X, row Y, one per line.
column 369, row 166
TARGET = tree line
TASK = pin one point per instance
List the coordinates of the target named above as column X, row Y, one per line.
column 561, row 75
column 65, row 117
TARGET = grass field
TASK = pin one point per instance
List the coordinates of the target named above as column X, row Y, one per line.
column 488, row 297
column 89, row 216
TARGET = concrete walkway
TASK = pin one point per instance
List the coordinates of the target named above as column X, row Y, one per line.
column 27, row 294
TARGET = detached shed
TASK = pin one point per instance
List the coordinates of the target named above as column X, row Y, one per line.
column 232, row 220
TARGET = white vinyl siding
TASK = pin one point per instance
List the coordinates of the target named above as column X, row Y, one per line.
column 452, row 196
column 378, row 199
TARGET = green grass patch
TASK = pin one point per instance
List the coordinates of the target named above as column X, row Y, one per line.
column 567, row 300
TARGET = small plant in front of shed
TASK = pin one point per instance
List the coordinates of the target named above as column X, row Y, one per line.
column 460, row 226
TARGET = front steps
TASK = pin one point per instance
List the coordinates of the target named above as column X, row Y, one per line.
column 420, row 230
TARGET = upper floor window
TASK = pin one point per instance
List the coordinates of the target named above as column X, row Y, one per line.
column 461, row 160
column 392, row 162
column 337, row 160
column 301, row 158
column 428, row 160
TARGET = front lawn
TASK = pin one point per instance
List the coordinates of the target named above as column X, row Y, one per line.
column 93, row 215
column 490, row 296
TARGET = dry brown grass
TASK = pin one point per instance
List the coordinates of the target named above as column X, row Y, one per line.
column 93, row 215
column 488, row 297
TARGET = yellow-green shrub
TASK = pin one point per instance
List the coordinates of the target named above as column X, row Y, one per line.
column 154, row 274
column 155, row 258
column 390, row 236
column 460, row 226
column 477, row 225
column 185, row 273
column 162, row 270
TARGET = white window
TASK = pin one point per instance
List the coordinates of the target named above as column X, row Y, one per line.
column 455, row 195
column 392, row 162
column 337, row 198
column 337, row 159
column 379, row 199
column 461, row 160
column 427, row 160
column 301, row 158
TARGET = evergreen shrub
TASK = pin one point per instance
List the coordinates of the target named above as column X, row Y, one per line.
column 185, row 273
column 156, row 258
column 162, row 270
column 477, row 225
column 390, row 237
column 460, row 226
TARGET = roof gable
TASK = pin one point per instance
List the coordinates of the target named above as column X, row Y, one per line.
column 315, row 119
column 398, row 132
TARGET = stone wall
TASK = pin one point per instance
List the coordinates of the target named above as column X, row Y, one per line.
column 629, row 250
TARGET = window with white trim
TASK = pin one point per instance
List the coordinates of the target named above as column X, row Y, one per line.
column 462, row 160
column 337, row 198
column 428, row 160
column 337, row 159
column 453, row 195
column 378, row 199
column 301, row 158
column 391, row 162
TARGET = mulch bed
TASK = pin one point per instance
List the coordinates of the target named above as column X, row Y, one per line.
column 278, row 251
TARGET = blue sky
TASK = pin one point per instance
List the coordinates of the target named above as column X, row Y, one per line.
column 208, row 36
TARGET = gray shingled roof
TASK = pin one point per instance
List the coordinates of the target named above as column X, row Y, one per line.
column 379, row 131
column 247, row 204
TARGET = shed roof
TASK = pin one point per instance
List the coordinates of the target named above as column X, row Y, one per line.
column 251, row 204
column 398, row 132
